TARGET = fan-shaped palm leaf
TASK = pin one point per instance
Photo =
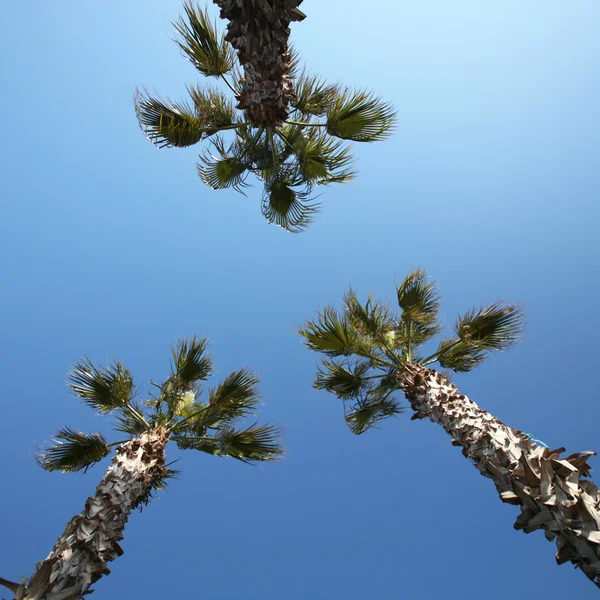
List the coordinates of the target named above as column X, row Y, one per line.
column 323, row 160
column 168, row 123
column 226, row 171
column 190, row 362
column 418, row 299
column 73, row 451
column 374, row 318
column 359, row 116
column 236, row 396
column 102, row 389
column 343, row 382
column 131, row 421
column 312, row 95
column 371, row 411
column 460, row 356
column 201, row 44
column 494, row 328
column 255, row 443
column 334, row 335
column 213, row 108
column 287, row 207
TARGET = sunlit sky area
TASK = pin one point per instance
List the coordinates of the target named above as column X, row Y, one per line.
column 111, row 248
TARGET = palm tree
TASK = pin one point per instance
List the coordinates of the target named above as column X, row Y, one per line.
column 174, row 413
column 291, row 156
column 370, row 353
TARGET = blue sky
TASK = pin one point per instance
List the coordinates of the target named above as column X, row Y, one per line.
column 110, row 248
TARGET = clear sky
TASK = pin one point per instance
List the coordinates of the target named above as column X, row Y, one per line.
column 111, row 248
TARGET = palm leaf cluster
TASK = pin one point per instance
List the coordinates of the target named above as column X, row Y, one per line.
column 365, row 344
column 201, row 419
column 310, row 149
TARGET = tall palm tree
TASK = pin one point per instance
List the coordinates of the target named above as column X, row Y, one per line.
column 175, row 413
column 290, row 154
column 370, row 353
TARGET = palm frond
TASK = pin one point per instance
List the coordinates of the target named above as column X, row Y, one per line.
column 229, row 169
column 418, row 299
column 102, row 389
column 208, row 51
column 253, row 444
column 343, row 382
column 236, row 396
column 459, row 356
column 190, row 362
column 73, row 451
column 214, row 108
column 131, row 421
column 494, row 328
column 167, row 123
column 312, row 95
column 374, row 318
column 323, row 160
column 366, row 414
column 334, row 335
column 359, row 116
column 286, row 207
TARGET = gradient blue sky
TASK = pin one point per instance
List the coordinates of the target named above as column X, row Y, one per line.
column 111, row 248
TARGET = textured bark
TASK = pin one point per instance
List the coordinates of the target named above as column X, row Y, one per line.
column 90, row 540
column 551, row 491
column 259, row 31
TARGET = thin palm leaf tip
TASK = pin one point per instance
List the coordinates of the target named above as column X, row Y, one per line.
column 193, row 417
column 305, row 142
column 365, row 344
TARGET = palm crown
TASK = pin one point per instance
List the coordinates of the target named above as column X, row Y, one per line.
column 291, row 158
column 206, row 422
column 365, row 345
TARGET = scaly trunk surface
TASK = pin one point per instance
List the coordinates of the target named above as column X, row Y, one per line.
column 259, row 31
column 551, row 491
column 90, row 540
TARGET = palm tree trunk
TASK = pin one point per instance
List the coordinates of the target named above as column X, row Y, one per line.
column 259, row 31
column 90, row 540
column 551, row 491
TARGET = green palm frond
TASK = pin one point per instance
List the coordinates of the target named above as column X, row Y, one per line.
column 359, row 116
column 208, row 51
column 366, row 414
column 344, row 382
column 312, row 95
column 236, row 396
column 131, row 421
column 102, row 389
column 459, row 356
column 253, row 444
column 228, row 169
column 167, row 123
column 418, row 299
column 494, row 328
column 213, row 108
column 334, row 335
column 73, row 451
column 286, row 207
column 210, row 445
column 190, row 363
column 374, row 318
column 323, row 160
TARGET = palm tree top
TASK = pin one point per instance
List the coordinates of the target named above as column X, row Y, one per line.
column 195, row 418
column 365, row 345
column 310, row 147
